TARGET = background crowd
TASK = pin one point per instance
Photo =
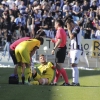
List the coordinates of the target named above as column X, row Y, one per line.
column 20, row 18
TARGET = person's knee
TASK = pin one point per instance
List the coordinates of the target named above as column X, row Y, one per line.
column 43, row 81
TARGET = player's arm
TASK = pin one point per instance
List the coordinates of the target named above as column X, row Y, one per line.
column 57, row 43
column 70, row 32
column 51, row 64
column 59, row 39
column 33, row 51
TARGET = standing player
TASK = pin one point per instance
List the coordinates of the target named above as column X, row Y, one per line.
column 12, row 51
column 60, row 51
column 23, row 52
column 76, row 50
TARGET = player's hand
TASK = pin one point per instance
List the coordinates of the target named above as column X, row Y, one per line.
column 52, row 52
column 52, row 40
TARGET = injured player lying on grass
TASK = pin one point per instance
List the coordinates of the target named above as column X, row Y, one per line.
column 46, row 73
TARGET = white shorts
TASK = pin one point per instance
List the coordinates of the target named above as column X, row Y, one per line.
column 30, row 27
column 75, row 56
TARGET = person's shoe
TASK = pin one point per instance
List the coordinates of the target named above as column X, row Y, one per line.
column 20, row 83
column 53, row 84
column 26, row 82
column 29, row 83
column 65, row 84
column 75, row 84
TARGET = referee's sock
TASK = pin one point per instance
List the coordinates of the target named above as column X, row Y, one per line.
column 56, row 76
column 64, row 74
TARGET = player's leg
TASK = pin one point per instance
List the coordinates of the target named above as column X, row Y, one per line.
column 27, row 73
column 12, row 54
column 56, row 77
column 43, row 81
column 36, row 77
column 25, row 55
column 74, row 58
column 19, row 72
column 60, row 54
column 19, row 68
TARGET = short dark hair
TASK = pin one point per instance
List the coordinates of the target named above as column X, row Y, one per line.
column 40, row 39
column 60, row 22
column 69, row 20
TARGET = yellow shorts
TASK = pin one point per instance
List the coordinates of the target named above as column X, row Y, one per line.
column 22, row 54
column 38, row 76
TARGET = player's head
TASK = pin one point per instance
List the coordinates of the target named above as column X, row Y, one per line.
column 42, row 58
column 69, row 21
column 58, row 23
column 40, row 39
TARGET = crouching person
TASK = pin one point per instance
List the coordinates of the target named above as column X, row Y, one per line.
column 46, row 72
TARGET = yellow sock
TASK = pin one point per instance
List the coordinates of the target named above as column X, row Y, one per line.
column 19, row 71
column 34, row 83
column 26, row 73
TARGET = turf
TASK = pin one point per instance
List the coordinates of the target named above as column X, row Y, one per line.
column 89, row 89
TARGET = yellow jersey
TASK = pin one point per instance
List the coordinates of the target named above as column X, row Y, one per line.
column 30, row 44
column 46, row 70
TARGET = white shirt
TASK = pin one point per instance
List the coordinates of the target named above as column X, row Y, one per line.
column 53, row 7
column 21, row 8
column 10, row 3
column 97, row 34
column 17, row 3
column 66, row 8
column 4, row 2
column 76, row 8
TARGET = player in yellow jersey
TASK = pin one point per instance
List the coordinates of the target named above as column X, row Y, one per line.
column 46, row 73
column 23, row 53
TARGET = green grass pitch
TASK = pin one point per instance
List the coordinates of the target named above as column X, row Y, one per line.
column 89, row 89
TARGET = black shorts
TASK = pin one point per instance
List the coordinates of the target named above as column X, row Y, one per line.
column 60, row 54
column 12, row 54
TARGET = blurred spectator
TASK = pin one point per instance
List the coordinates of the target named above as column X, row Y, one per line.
column 30, row 25
column 66, row 8
column 76, row 10
column 97, row 34
column 93, row 35
column 87, row 28
column 37, row 20
column 18, row 2
column 15, row 11
column 22, row 7
column 85, row 6
column 8, row 37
